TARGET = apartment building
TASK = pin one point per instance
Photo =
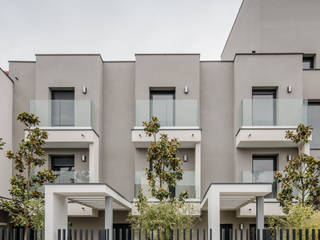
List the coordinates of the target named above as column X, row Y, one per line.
column 230, row 117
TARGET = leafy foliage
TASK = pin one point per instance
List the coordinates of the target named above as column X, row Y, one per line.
column 300, row 178
column 166, row 215
column 2, row 143
column 170, row 212
column 166, row 167
column 299, row 217
column 26, row 205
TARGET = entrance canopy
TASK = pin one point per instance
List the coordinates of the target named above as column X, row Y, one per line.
column 232, row 196
column 95, row 195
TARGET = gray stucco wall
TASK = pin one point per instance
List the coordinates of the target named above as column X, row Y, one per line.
column 23, row 92
column 6, row 106
column 216, row 99
column 64, row 71
column 275, row 26
column 117, row 159
column 167, row 70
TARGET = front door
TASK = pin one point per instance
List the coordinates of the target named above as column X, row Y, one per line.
column 121, row 231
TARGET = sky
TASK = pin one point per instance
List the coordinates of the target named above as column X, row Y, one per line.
column 117, row 29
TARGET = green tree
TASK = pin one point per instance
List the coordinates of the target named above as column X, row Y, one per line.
column 166, row 166
column 170, row 212
column 25, row 206
column 300, row 179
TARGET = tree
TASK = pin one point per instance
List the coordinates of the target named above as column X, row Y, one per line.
column 166, row 168
column 164, row 172
column 300, row 179
column 25, row 207
column 299, row 216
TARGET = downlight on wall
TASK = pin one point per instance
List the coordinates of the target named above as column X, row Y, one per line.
column 185, row 158
column 186, row 89
column 84, row 90
column 83, row 158
column 289, row 89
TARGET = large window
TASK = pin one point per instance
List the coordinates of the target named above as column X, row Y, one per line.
column 263, row 168
column 314, row 121
column 162, row 106
column 263, row 107
column 62, row 107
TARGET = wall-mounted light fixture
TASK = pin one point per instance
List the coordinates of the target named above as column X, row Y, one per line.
column 289, row 89
column 289, row 157
column 186, row 90
column 83, row 158
column 185, row 158
column 84, row 90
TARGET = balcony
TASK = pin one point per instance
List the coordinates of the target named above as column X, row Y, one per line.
column 261, row 177
column 71, row 176
column 64, row 113
column 271, row 205
column 178, row 118
column 188, row 183
column 70, row 124
column 263, row 122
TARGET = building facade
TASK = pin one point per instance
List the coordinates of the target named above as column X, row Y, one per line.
column 230, row 117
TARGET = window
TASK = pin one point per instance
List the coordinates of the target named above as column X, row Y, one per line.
column 263, row 107
column 62, row 163
column 62, row 109
column 263, row 168
column 63, row 167
column 162, row 106
column 314, row 121
column 308, row 62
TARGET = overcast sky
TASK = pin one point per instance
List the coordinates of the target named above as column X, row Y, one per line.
column 115, row 28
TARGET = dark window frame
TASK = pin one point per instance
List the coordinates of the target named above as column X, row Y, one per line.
column 56, row 156
column 314, row 103
column 163, row 91
column 274, row 158
column 53, row 91
column 257, row 91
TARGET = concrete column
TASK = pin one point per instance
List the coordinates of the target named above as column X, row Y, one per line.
column 306, row 149
column 108, row 215
column 94, row 162
column 198, row 170
column 56, row 214
column 260, row 214
column 214, row 213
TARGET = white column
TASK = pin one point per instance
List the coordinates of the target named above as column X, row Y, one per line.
column 94, row 162
column 56, row 214
column 214, row 213
column 108, row 215
column 198, row 170
column 260, row 214
column 306, row 149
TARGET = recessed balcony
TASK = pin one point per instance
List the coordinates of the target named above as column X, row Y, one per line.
column 71, row 176
column 188, row 183
column 70, row 124
column 64, row 114
column 263, row 122
column 178, row 118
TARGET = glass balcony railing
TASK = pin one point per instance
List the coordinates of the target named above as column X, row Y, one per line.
column 171, row 113
column 188, row 183
column 273, row 112
column 261, row 177
column 71, row 176
column 64, row 113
